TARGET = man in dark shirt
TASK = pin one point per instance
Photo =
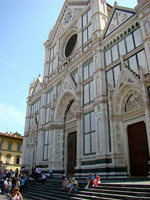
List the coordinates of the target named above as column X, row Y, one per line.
column 13, row 184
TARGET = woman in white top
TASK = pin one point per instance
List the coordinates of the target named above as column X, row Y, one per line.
column 6, row 188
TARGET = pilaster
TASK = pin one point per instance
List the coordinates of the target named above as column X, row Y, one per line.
column 143, row 12
column 146, row 104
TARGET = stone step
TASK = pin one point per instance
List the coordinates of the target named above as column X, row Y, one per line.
column 126, row 192
column 86, row 194
column 78, row 198
column 142, row 189
column 104, row 191
column 127, row 185
column 133, row 191
column 112, row 195
column 44, row 195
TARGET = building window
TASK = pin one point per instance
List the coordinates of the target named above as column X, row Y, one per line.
column 49, row 97
column 88, row 71
column 86, row 18
column 75, row 77
column 70, row 45
column 87, row 34
column 138, row 59
column 148, row 89
column 51, row 66
column 19, row 147
column 17, row 160
column 89, row 133
column 8, row 159
column 9, row 146
column 88, row 92
column 50, row 53
column 46, row 145
column 123, row 47
column 1, row 144
column 35, row 107
column 112, row 76
column 37, row 118
column 47, row 119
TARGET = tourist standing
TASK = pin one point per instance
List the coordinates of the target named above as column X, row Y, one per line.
column 6, row 187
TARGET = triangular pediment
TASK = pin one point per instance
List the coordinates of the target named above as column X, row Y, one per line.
column 118, row 16
column 38, row 86
column 67, row 16
column 67, row 85
column 67, row 93
column 126, row 77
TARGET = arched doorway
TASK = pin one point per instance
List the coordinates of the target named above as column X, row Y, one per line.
column 72, row 145
column 70, row 121
column 138, row 149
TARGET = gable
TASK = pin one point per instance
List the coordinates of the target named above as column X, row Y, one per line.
column 70, row 10
column 67, row 92
column 37, row 87
column 69, row 16
column 118, row 16
column 126, row 77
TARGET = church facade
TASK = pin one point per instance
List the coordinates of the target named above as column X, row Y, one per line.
column 91, row 110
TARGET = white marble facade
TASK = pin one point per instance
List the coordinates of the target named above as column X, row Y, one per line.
column 96, row 84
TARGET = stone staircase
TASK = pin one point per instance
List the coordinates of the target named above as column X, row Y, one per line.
column 106, row 191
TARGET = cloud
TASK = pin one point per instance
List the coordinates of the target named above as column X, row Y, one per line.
column 12, row 118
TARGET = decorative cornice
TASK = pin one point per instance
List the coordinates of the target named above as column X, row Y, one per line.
column 79, row 2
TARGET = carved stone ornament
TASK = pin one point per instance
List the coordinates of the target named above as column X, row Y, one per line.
column 58, row 146
column 135, row 101
column 118, row 138
column 72, row 111
column 124, row 79
column 63, row 105
column 67, row 86
column 68, row 17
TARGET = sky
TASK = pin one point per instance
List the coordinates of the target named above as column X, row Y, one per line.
column 24, row 27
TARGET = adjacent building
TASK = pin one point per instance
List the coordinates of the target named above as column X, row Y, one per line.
column 91, row 110
column 11, row 151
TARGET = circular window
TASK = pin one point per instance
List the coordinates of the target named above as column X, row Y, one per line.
column 70, row 45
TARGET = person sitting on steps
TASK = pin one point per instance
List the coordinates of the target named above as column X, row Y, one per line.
column 64, row 184
column 74, row 185
column 42, row 178
column 90, row 180
column 96, row 181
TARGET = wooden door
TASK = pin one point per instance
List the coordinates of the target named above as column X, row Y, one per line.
column 138, row 149
column 72, row 143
